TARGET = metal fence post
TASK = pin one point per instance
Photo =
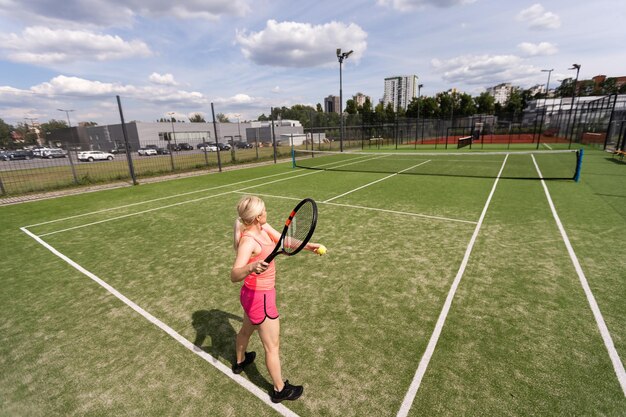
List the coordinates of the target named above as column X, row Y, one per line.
column 219, row 159
column 131, row 168
column 69, row 156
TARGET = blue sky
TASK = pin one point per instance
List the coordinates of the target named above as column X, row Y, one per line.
column 246, row 56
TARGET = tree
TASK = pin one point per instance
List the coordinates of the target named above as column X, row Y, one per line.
column 222, row 118
column 514, row 104
column 5, row 134
column 367, row 112
column 411, row 109
column 609, row 86
column 197, row 118
column 390, row 114
column 466, row 104
column 485, row 103
column 351, row 107
column 429, row 108
column 566, row 89
column 319, row 108
column 52, row 125
column 446, row 103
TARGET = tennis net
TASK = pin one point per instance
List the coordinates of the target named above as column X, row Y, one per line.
column 556, row 164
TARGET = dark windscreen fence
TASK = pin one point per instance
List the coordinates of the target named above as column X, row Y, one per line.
column 516, row 165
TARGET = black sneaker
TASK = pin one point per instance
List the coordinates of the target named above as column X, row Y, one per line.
column 238, row 367
column 289, row 392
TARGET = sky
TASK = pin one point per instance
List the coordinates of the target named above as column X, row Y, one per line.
column 176, row 58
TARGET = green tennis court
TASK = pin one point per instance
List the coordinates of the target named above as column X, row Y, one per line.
column 468, row 289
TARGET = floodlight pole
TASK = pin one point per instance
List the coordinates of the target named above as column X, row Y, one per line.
column 171, row 114
column 569, row 119
column 341, row 56
column 419, row 95
column 545, row 104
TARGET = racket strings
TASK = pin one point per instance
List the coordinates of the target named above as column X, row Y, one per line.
column 299, row 228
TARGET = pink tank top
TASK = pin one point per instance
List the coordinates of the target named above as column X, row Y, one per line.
column 266, row 279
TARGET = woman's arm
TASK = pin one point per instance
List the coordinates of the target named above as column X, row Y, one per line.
column 241, row 267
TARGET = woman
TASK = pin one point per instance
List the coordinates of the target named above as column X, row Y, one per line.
column 254, row 240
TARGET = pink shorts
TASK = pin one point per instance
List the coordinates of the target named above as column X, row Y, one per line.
column 258, row 304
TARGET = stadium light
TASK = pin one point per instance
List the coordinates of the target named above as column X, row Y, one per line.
column 577, row 68
column 67, row 113
column 341, row 56
column 419, row 95
column 545, row 104
column 171, row 114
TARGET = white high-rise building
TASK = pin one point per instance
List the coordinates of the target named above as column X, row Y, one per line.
column 400, row 90
column 501, row 92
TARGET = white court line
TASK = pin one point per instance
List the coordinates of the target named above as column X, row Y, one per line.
column 156, row 199
column 432, row 343
column 604, row 330
column 547, row 146
column 174, row 205
column 256, row 391
column 404, row 213
column 374, row 182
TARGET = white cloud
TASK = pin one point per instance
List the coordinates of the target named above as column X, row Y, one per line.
column 538, row 18
column 40, row 45
column 292, row 44
column 406, row 5
column 236, row 99
column 485, row 70
column 81, row 87
column 162, row 79
column 534, row 49
column 81, row 13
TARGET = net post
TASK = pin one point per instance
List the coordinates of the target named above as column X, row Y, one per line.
column 579, row 163
column 293, row 158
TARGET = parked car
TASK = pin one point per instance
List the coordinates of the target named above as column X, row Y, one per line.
column 243, row 145
column 4, row 156
column 208, row 147
column 223, row 146
column 160, row 151
column 173, row 147
column 53, row 153
column 120, row 149
column 146, row 151
column 95, row 156
column 185, row 146
column 20, row 154
column 39, row 150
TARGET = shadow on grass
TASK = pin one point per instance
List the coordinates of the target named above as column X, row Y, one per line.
column 215, row 325
column 619, row 161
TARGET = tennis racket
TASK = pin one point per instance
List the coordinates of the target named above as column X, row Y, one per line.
column 298, row 230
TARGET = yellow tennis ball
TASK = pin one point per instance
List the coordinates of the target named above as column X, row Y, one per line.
column 321, row 250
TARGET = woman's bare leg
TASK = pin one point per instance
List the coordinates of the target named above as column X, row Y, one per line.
column 243, row 337
column 269, row 331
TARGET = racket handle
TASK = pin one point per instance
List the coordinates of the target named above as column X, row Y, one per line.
column 269, row 259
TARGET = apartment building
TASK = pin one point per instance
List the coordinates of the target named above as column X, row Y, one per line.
column 501, row 92
column 400, row 90
column 332, row 105
column 359, row 99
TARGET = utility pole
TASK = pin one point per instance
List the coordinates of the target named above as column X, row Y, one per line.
column 341, row 56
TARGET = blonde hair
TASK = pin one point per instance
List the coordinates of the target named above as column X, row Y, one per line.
column 248, row 208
